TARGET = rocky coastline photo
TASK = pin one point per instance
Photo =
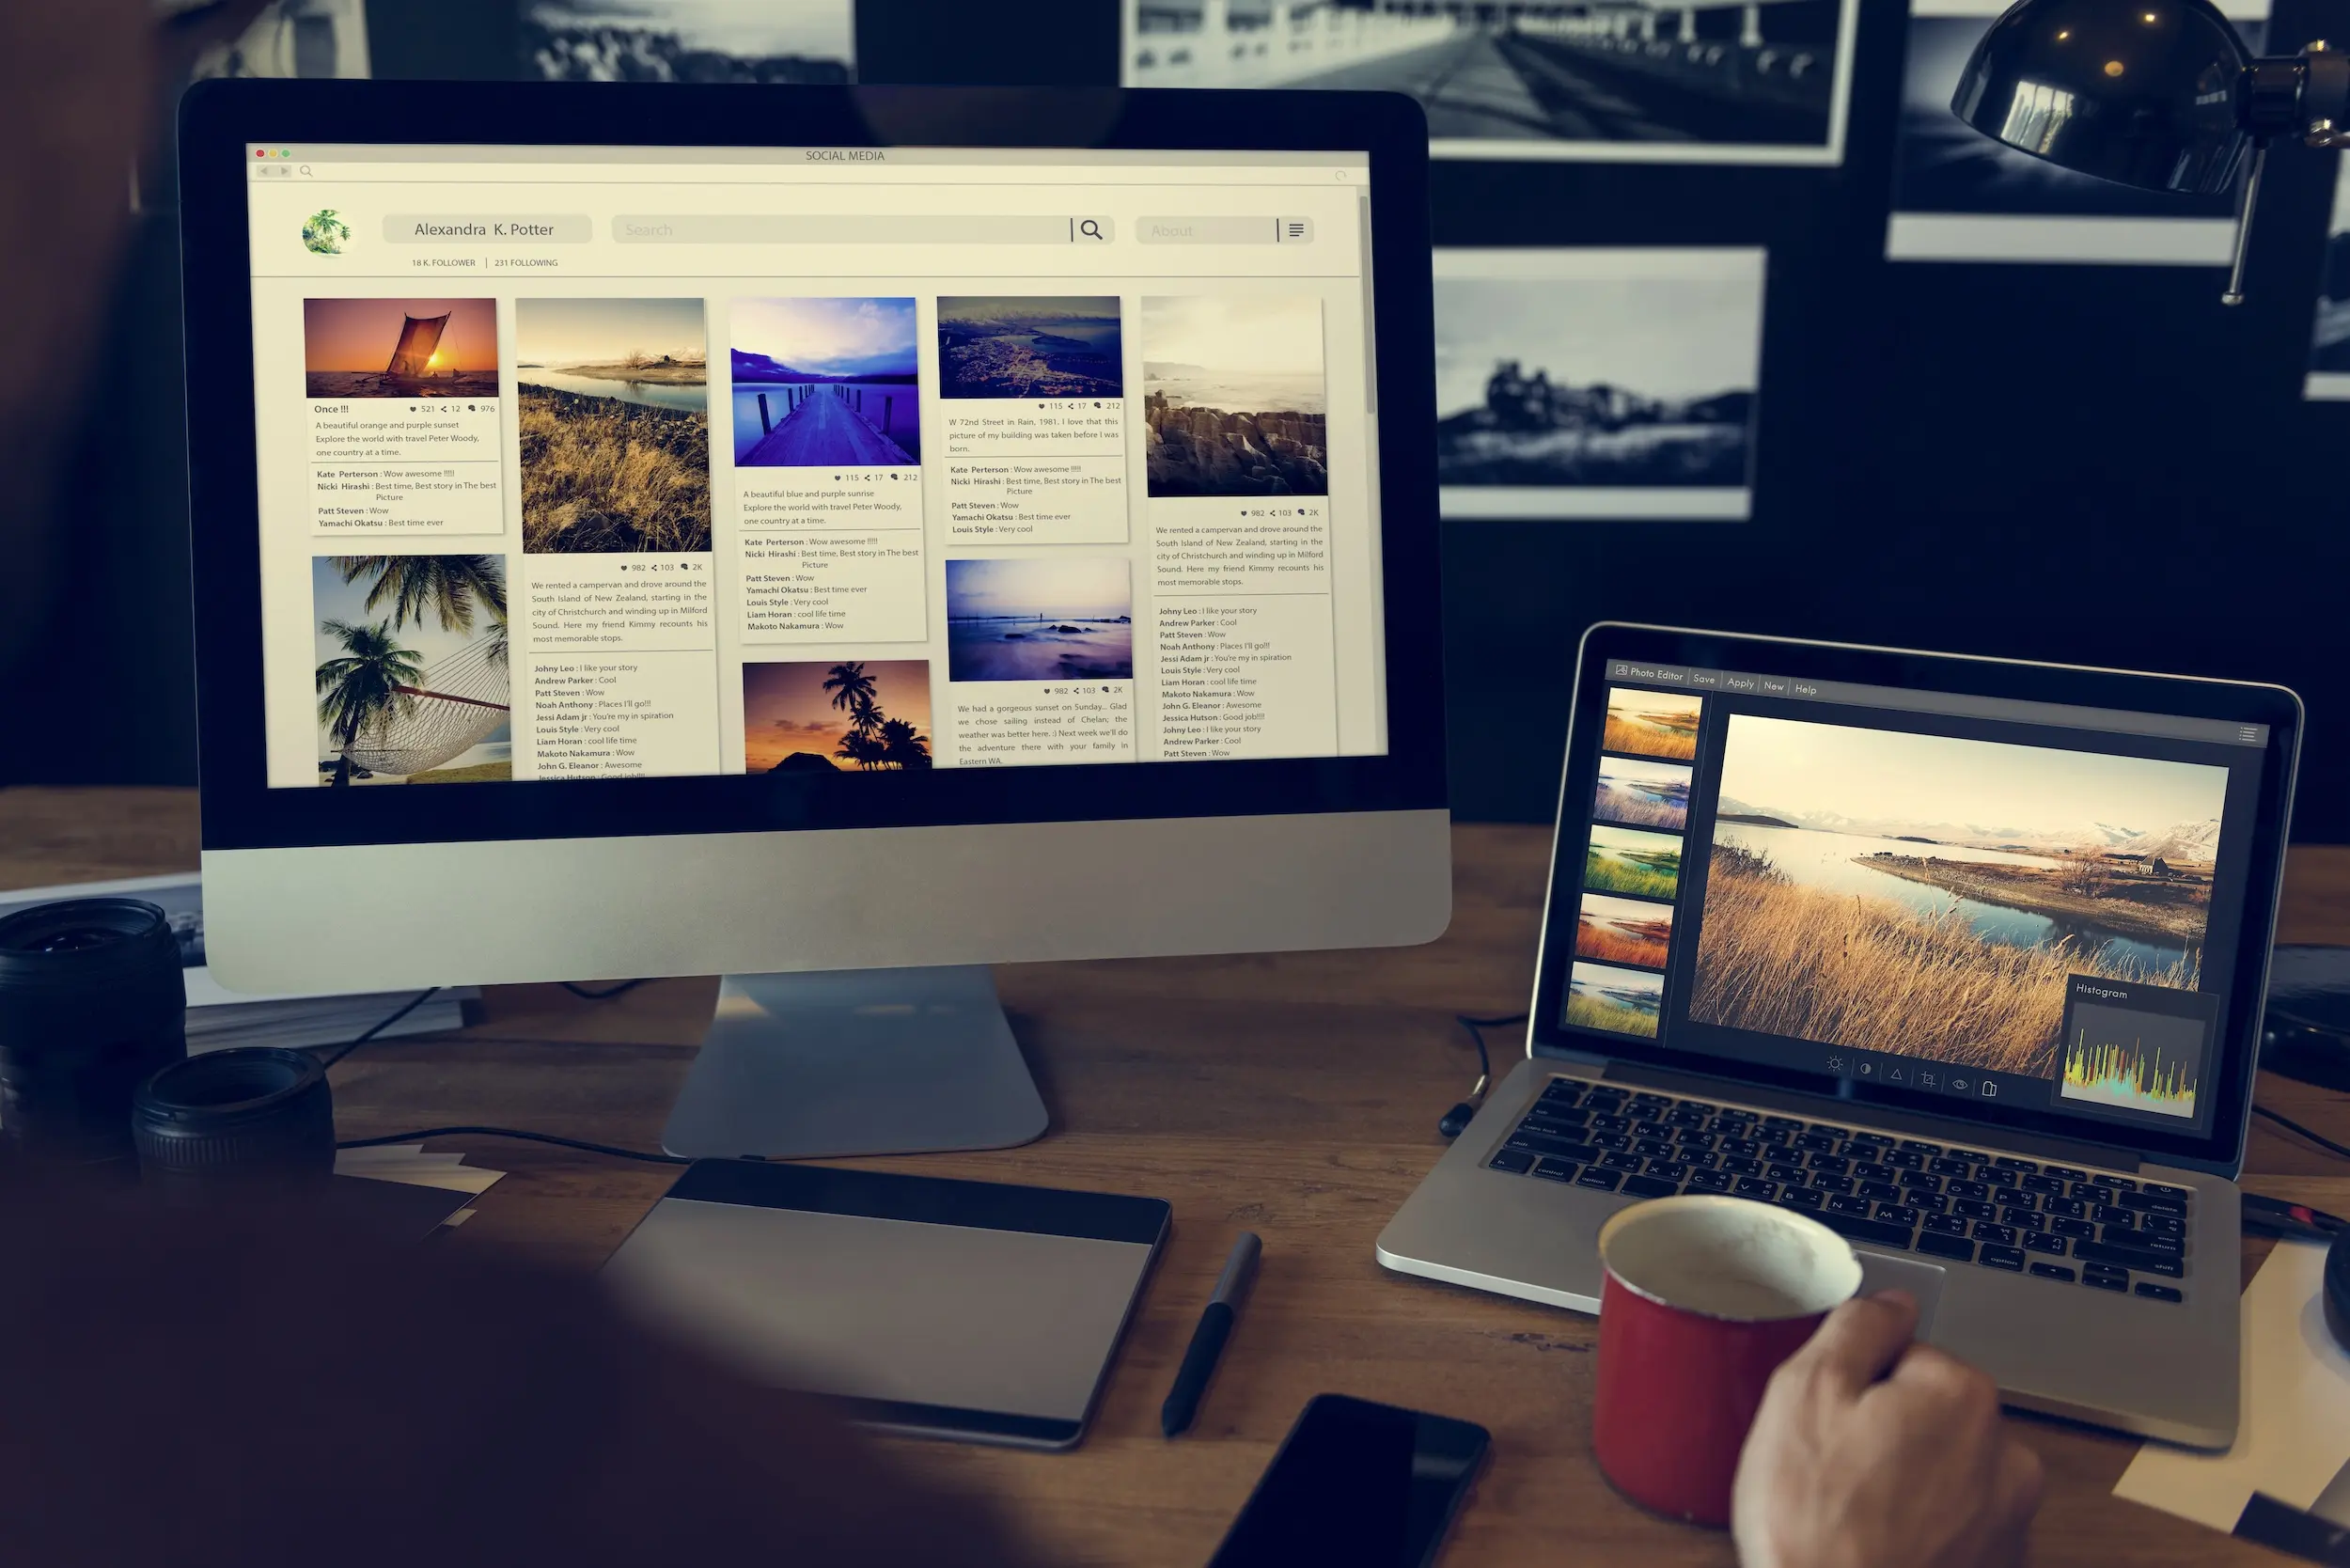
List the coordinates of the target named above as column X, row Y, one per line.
column 1206, row 451
column 1233, row 397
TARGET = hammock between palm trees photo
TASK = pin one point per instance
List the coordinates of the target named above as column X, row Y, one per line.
column 412, row 679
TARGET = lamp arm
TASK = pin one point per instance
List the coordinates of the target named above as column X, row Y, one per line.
column 2305, row 95
column 2233, row 293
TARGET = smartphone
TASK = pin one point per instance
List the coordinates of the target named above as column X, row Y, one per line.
column 1357, row 1486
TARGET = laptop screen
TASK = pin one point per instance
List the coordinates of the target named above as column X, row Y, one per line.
column 2016, row 904
column 598, row 462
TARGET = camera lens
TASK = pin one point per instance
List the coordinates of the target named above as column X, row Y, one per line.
column 235, row 1116
column 91, row 1002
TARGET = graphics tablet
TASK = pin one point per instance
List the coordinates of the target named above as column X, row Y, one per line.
column 963, row 1309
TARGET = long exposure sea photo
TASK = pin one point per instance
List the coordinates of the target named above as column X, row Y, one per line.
column 1039, row 618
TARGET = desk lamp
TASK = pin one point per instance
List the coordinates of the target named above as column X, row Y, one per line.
column 2160, row 94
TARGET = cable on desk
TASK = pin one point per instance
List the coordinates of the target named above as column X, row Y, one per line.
column 622, row 989
column 380, row 1025
column 1460, row 1115
column 617, row 1153
column 2292, row 1126
column 582, row 1144
column 1476, row 1027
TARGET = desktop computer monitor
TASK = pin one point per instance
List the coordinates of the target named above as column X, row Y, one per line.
column 824, row 529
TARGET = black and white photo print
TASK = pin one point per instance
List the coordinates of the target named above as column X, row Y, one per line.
column 1958, row 196
column 1597, row 384
column 2329, row 334
column 1646, row 81
column 795, row 41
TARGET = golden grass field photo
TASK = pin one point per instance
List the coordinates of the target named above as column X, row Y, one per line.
column 1621, row 1001
column 1928, row 893
column 1623, row 930
column 1642, row 794
column 604, row 476
column 1653, row 724
column 1627, row 860
column 614, row 404
column 1845, row 970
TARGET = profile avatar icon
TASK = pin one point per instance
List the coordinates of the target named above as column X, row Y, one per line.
column 323, row 233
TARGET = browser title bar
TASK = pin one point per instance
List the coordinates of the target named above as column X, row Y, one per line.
column 840, row 158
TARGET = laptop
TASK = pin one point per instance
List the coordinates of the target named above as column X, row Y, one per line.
column 1963, row 958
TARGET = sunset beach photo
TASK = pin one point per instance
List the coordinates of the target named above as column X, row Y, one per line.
column 829, row 715
column 399, row 347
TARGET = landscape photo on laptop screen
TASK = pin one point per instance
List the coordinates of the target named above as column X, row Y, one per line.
column 2001, row 903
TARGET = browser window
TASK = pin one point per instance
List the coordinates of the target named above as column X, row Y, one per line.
column 610, row 462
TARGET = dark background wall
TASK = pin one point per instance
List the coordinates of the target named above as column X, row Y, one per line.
column 2096, row 464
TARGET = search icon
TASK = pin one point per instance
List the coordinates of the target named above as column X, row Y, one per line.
column 305, row 171
column 1091, row 230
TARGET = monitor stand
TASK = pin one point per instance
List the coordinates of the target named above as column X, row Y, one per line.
column 855, row 1061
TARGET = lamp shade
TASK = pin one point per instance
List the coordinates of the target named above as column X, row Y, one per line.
column 2143, row 92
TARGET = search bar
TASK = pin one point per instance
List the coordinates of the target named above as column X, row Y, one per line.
column 1225, row 231
column 860, row 228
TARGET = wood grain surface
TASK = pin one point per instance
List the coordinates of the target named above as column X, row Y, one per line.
column 1295, row 1095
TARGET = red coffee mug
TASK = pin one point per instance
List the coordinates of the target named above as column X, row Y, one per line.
column 1704, row 1297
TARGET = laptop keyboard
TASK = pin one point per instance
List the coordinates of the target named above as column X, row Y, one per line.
column 1953, row 1204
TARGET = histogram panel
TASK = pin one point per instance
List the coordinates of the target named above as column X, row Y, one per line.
column 2130, row 1060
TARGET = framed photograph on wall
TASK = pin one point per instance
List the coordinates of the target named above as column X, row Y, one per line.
column 789, row 41
column 1958, row 196
column 1633, row 81
column 2329, row 331
column 1598, row 383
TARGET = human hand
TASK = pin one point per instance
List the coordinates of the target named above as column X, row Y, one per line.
column 1872, row 1452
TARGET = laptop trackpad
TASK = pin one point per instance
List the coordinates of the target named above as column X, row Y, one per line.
column 1922, row 1280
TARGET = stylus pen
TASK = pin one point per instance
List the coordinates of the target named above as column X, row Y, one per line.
column 1207, row 1341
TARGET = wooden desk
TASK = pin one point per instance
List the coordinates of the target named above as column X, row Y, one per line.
column 1293, row 1095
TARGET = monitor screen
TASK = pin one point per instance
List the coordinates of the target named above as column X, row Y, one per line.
column 624, row 462
column 2015, row 905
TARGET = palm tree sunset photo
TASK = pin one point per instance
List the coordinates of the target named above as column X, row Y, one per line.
column 862, row 715
column 412, row 679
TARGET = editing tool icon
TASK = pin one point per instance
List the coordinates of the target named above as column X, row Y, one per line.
column 1990, row 1089
column 1961, row 1085
column 1926, row 1079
